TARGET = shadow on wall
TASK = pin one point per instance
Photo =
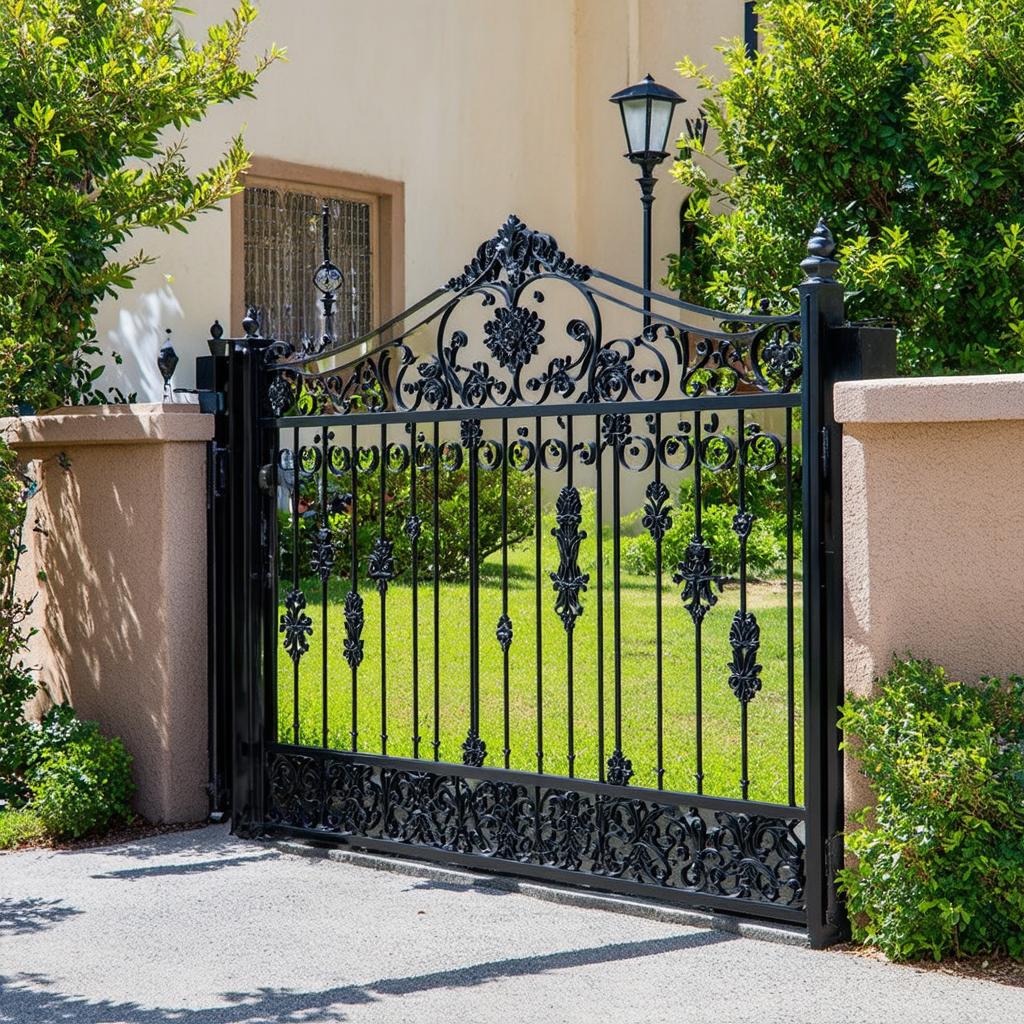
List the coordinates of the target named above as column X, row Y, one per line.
column 118, row 530
column 92, row 546
column 137, row 339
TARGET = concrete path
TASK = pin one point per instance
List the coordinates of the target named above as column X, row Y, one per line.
column 200, row 927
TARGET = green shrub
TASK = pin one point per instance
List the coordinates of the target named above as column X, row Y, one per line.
column 453, row 520
column 909, row 144
column 18, row 826
column 16, row 682
column 941, row 856
column 82, row 785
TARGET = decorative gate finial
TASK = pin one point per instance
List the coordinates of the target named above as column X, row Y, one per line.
column 818, row 265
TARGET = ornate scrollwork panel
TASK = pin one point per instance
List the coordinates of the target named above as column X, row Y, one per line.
column 746, row 857
column 501, row 359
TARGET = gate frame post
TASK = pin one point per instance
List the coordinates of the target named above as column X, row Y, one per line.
column 824, row 362
column 248, row 533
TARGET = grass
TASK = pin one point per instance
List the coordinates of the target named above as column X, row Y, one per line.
column 769, row 714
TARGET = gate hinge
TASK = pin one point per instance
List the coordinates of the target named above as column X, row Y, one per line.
column 220, row 470
column 834, row 862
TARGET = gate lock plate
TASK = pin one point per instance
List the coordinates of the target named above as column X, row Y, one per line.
column 268, row 478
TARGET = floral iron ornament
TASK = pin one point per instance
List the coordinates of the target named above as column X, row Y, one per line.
column 697, row 571
column 568, row 581
column 353, row 645
column 745, row 638
column 296, row 625
column 513, row 336
column 519, row 252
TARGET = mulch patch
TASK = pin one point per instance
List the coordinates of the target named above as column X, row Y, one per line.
column 1000, row 969
column 123, row 832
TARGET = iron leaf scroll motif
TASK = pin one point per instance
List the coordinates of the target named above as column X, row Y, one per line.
column 568, row 581
column 353, row 647
column 697, row 571
column 474, row 750
column 504, row 633
column 296, row 625
column 519, row 252
column 745, row 638
column 381, row 564
column 620, row 769
column 321, row 555
column 657, row 520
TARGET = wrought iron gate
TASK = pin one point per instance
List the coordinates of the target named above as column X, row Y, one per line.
column 471, row 598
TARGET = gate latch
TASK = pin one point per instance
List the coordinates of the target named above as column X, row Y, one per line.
column 268, row 479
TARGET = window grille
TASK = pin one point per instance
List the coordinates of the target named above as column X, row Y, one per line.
column 283, row 249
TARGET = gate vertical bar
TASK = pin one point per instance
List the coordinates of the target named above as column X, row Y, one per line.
column 211, row 374
column 821, row 308
column 247, row 537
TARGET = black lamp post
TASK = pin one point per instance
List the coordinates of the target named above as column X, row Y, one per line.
column 647, row 111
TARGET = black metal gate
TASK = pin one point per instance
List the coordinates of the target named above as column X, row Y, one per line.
column 484, row 584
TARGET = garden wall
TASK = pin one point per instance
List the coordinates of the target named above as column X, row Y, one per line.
column 118, row 526
column 933, row 522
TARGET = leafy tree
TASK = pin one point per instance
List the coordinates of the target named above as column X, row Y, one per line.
column 89, row 92
column 902, row 122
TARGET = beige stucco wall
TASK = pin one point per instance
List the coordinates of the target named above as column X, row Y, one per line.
column 118, row 525
column 480, row 108
column 933, row 528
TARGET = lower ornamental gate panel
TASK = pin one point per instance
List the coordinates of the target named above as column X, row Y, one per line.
column 626, row 842
column 537, row 579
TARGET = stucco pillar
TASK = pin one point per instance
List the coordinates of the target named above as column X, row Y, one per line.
column 116, row 560
column 933, row 528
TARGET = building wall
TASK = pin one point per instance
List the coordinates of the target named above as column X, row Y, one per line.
column 480, row 108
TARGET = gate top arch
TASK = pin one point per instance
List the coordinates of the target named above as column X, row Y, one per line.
column 419, row 361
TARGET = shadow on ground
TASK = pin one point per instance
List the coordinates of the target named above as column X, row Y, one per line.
column 22, row 917
column 30, row 999
column 191, row 867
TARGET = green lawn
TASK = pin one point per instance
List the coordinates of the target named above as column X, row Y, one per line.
column 768, row 713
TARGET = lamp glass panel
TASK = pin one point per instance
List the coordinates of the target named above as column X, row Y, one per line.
column 634, row 114
column 661, row 119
